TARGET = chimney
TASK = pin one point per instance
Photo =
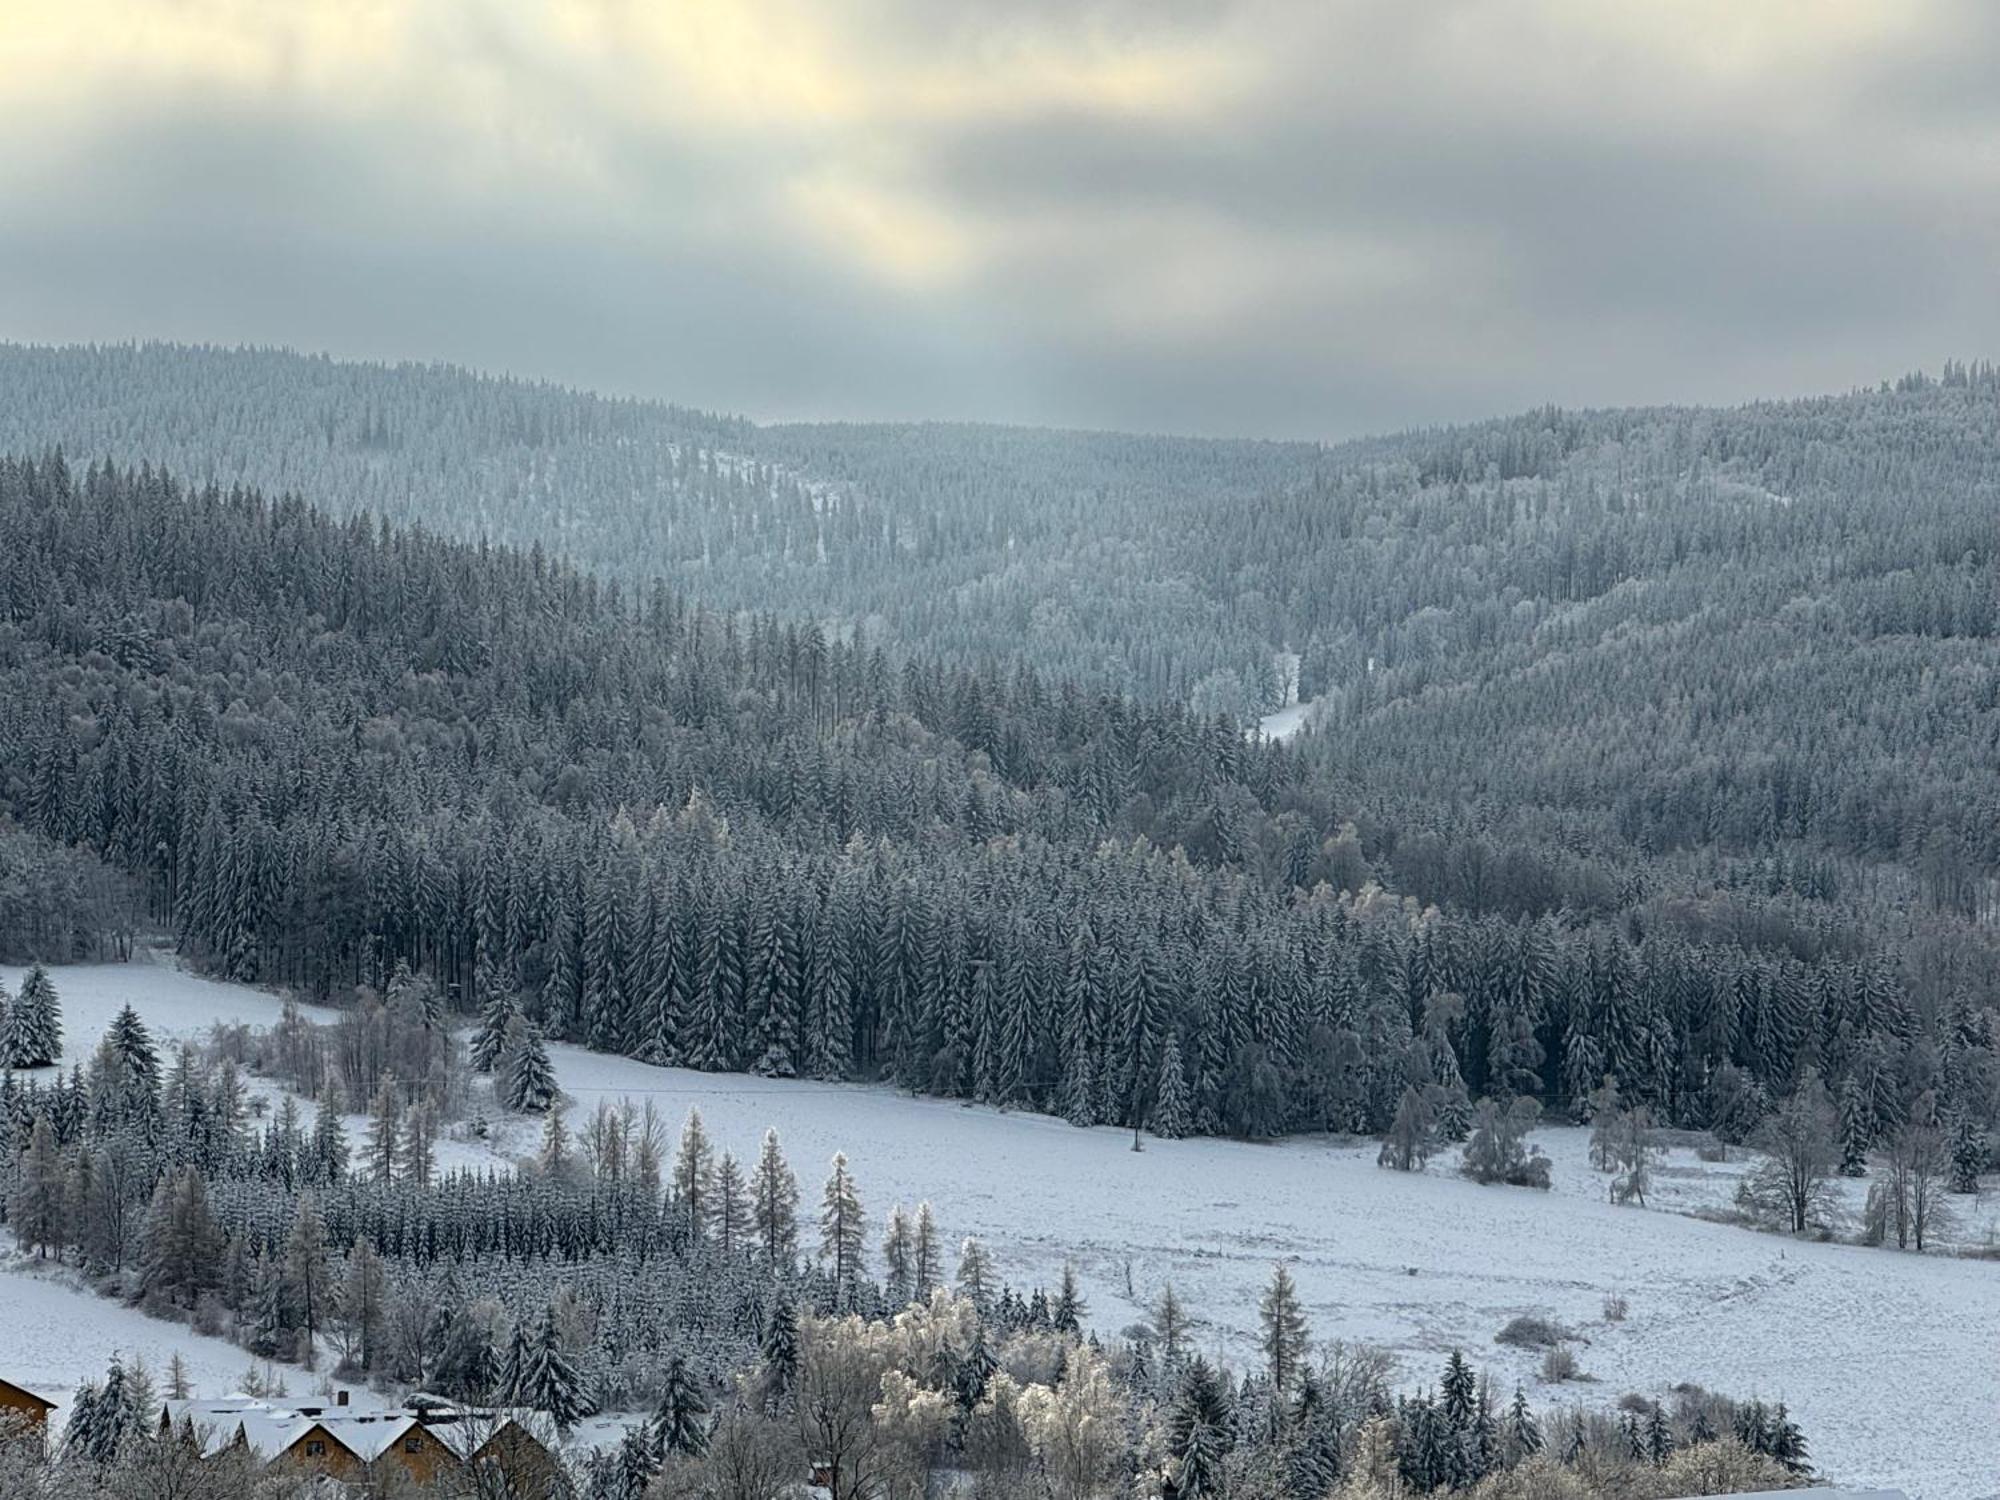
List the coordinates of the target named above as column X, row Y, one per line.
column 340, row 1398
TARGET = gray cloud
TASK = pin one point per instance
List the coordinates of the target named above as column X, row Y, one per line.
column 1361, row 217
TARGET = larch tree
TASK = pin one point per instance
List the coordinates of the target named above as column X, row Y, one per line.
column 774, row 1193
column 841, row 1231
column 1285, row 1333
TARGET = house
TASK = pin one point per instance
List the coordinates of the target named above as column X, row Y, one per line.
column 349, row 1441
column 22, row 1412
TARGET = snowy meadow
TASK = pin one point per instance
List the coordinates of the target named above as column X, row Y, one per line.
column 1883, row 1357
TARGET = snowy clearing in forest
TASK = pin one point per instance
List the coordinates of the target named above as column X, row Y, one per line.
column 1886, row 1359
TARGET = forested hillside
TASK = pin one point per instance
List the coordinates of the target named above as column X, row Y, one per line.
column 327, row 746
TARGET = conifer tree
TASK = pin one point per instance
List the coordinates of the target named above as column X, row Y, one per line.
column 1524, row 1433
column 1199, row 1432
column 1173, row 1107
column 38, row 1211
column 778, row 1351
column 35, row 1022
column 694, row 1177
column 1856, row 1130
column 1170, row 1323
column 1285, row 1332
column 841, row 1230
column 329, row 1142
column 510, row 1385
column 551, row 1383
column 419, row 1143
column 924, row 1254
column 1458, row 1392
column 1659, row 1437
column 555, row 1156
column 974, row 1281
column 530, row 1076
column 898, row 1260
column 362, row 1302
column 1968, row 1153
column 733, row 1219
column 1070, row 1309
column 490, row 1042
column 385, row 1131
column 774, row 1195
column 308, row 1277
column 680, row 1419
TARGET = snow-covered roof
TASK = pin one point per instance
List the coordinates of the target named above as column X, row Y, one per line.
column 270, row 1434
column 367, row 1437
column 465, row 1430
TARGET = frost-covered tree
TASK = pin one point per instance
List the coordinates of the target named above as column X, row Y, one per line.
column 1285, row 1333
column 841, row 1245
column 774, row 1194
column 34, row 1024
column 530, row 1077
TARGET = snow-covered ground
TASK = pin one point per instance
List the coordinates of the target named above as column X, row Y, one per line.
column 1287, row 721
column 55, row 1335
column 1887, row 1359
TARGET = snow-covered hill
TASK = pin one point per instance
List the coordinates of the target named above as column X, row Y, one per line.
column 1886, row 1359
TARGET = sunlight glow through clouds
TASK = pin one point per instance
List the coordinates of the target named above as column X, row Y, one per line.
column 1308, row 186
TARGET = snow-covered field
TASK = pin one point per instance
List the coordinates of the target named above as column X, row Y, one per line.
column 55, row 1335
column 1888, row 1360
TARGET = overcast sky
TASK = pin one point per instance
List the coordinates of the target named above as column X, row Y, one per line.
column 1269, row 217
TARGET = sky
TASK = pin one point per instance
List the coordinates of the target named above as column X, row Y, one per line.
column 1296, row 218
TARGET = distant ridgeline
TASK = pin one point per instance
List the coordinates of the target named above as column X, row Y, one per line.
column 324, row 746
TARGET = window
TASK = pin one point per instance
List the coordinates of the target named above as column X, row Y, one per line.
column 315, row 1448
column 413, row 1444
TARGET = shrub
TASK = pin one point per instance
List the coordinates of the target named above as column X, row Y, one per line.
column 1559, row 1364
column 1498, row 1150
column 1533, row 1333
column 1615, row 1308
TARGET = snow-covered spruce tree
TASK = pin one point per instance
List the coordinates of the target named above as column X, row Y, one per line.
column 551, row 1383
column 329, row 1142
column 35, row 1022
column 778, row 1354
column 1968, row 1152
column 530, row 1077
column 1200, row 1432
column 510, row 1382
column 490, row 1041
column 132, row 1043
column 1857, row 1130
column 680, row 1419
column 1173, row 1107
column 1069, row 1310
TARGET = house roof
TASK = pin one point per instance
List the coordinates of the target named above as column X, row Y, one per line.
column 21, row 1390
column 271, row 1430
column 370, row 1437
